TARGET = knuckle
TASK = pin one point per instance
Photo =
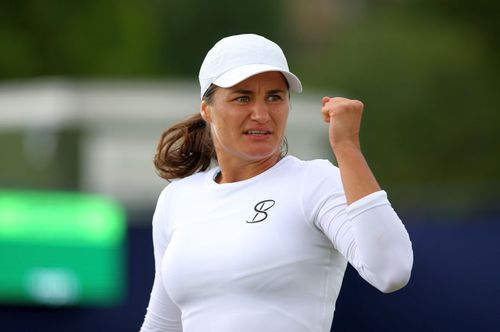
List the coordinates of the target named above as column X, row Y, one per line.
column 359, row 103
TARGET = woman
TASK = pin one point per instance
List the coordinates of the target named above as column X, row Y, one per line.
column 260, row 242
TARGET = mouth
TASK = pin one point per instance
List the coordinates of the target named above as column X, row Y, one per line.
column 257, row 132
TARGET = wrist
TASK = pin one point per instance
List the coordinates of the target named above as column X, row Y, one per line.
column 346, row 147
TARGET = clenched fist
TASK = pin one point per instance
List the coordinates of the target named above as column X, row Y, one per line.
column 344, row 118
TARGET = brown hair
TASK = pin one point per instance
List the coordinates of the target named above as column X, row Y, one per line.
column 186, row 147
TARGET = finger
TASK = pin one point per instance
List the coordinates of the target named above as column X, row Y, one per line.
column 325, row 112
column 338, row 100
column 325, row 100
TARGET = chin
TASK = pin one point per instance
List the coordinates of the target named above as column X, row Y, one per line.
column 260, row 155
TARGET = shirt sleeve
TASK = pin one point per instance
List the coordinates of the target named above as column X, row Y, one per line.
column 162, row 314
column 368, row 233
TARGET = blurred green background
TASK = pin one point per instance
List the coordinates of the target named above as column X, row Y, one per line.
column 426, row 70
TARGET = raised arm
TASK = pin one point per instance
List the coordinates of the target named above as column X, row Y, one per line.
column 370, row 234
column 344, row 119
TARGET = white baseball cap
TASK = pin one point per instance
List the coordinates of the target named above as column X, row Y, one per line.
column 235, row 58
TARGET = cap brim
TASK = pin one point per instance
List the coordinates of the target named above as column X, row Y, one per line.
column 239, row 74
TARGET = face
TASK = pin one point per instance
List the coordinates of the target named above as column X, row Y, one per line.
column 248, row 120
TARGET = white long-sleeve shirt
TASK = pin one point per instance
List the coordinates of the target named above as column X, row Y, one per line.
column 269, row 253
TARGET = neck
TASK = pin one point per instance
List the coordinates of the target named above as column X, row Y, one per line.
column 239, row 170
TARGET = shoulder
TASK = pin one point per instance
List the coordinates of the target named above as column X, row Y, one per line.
column 194, row 180
column 314, row 167
column 174, row 196
column 179, row 187
column 315, row 176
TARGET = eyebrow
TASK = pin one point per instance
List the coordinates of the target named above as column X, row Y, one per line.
column 271, row 92
column 250, row 92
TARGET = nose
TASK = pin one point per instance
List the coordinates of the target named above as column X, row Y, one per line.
column 260, row 112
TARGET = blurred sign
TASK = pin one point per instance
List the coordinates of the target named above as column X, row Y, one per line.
column 61, row 248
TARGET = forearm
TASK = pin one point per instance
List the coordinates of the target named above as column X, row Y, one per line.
column 357, row 177
column 162, row 314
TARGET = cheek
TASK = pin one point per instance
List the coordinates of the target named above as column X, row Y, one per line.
column 229, row 120
column 225, row 126
column 281, row 119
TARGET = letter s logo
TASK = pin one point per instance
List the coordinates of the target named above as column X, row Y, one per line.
column 261, row 209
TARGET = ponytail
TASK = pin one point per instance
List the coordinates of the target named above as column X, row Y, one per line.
column 184, row 149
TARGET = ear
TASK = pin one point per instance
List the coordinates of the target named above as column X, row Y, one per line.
column 205, row 111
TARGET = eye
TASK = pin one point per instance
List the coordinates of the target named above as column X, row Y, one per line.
column 274, row 97
column 242, row 99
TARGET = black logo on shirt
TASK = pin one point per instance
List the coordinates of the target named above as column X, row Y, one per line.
column 261, row 209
